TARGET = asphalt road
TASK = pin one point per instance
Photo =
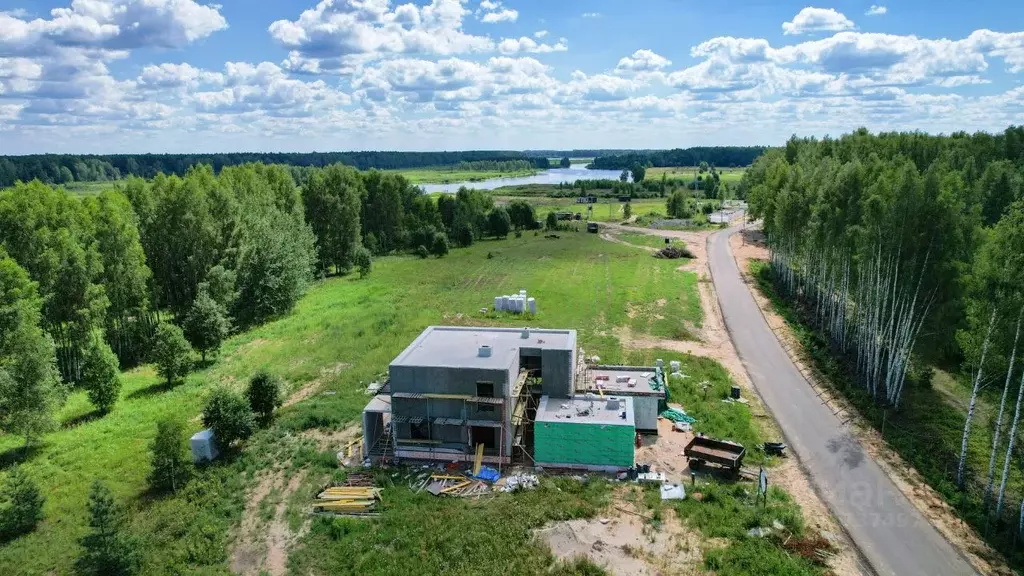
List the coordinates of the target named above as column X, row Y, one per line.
column 892, row 535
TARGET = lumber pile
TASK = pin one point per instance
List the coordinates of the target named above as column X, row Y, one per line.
column 347, row 500
column 457, row 485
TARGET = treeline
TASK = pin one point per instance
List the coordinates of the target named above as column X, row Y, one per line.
column 905, row 250
column 494, row 166
column 721, row 156
column 64, row 168
column 88, row 285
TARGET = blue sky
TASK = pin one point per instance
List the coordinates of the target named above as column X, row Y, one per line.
column 107, row 76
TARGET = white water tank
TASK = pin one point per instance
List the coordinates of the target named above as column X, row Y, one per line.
column 505, row 303
column 497, row 303
column 674, row 364
column 532, row 305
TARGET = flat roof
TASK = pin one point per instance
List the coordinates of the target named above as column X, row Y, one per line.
column 638, row 381
column 458, row 346
column 379, row 403
column 586, row 409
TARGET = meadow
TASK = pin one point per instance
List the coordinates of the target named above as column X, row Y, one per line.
column 730, row 176
column 341, row 336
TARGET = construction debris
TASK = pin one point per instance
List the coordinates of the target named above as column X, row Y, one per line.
column 520, row 482
column 673, row 252
column 673, row 492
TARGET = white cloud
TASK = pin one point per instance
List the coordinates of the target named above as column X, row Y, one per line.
column 347, row 30
column 812, row 19
column 111, row 25
column 540, row 33
column 527, row 45
column 591, row 14
column 503, row 15
column 489, row 5
column 642, row 61
column 876, row 10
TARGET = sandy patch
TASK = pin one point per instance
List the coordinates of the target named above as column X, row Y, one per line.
column 624, row 543
column 333, row 440
column 749, row 245
column 661, row 302
column 261, row 547
column 313, row 386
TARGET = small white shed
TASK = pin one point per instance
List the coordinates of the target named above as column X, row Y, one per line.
column 204, row 447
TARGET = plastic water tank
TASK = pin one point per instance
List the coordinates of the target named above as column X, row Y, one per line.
column 204, row 446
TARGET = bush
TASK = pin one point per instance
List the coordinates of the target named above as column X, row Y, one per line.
column 264, row 394
column 464, row 234
column 363, row 261
column 440, row 246
column 108, row 550
column 23, row 504
column 207, row 324
column 551, row 222
column 228, row 414
column 169, row 457
column 171, row 352
column 101, row 376
column 422, row 251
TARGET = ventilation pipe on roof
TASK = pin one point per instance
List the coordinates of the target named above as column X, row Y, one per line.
column 525, row 334
column 484, row 351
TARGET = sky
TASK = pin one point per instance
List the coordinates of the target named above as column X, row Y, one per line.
column 180, row 76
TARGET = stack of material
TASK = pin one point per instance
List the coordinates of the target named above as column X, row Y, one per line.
column 348, row 500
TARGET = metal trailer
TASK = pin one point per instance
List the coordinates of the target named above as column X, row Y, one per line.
column 726, row 454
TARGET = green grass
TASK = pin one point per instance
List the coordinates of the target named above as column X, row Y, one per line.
column 608, row 210
column 342, row 334
column 423, row 534
column 730, row 176
column 446, row 175
column 650, row 240
column 926, row 431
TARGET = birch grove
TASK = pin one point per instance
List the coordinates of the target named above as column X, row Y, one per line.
column 904, row 253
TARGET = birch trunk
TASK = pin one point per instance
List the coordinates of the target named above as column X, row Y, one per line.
column 999, row 418
column 1009, row 449
column 973, row 404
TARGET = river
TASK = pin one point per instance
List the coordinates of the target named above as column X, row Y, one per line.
column 552, row 176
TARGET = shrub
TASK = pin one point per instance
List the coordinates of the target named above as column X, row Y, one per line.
column 108, row 550
column 228, row 414
column 171, row 352
column 264, row 394
column 23, row 504
column 422, row 251
column 101, row 375
column 363, row 261
column 440, row 246
column 551, row 222
column 169, row 457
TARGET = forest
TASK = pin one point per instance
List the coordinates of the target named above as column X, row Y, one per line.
column 92, row 285
column 721, row 156
column 64, row 168
column 904, row 252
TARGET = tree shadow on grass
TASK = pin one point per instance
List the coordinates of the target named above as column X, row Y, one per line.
column 82, row 419
column 154, row 390
column 19, row 455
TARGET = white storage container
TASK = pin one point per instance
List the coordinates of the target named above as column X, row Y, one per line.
column 204, row 446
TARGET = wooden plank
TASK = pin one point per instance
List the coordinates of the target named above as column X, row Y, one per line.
column 458, row 486
column 479, row 459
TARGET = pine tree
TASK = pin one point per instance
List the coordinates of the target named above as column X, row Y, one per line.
column 23, row 504
column 108, row 549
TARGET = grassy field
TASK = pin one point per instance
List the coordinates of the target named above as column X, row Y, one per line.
column 445, row 175
column 649, row 240
column 343, row 333
column 927, row 429
column 730, row 176
column 604, row 211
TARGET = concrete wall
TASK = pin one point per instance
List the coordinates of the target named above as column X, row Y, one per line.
column 645, row 413
column 438, row 408
column 425, row 379
column 557, row 371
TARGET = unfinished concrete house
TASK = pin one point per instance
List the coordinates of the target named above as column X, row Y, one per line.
column 454, row 389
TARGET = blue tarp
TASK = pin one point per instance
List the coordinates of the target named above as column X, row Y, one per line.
column 488, row 474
